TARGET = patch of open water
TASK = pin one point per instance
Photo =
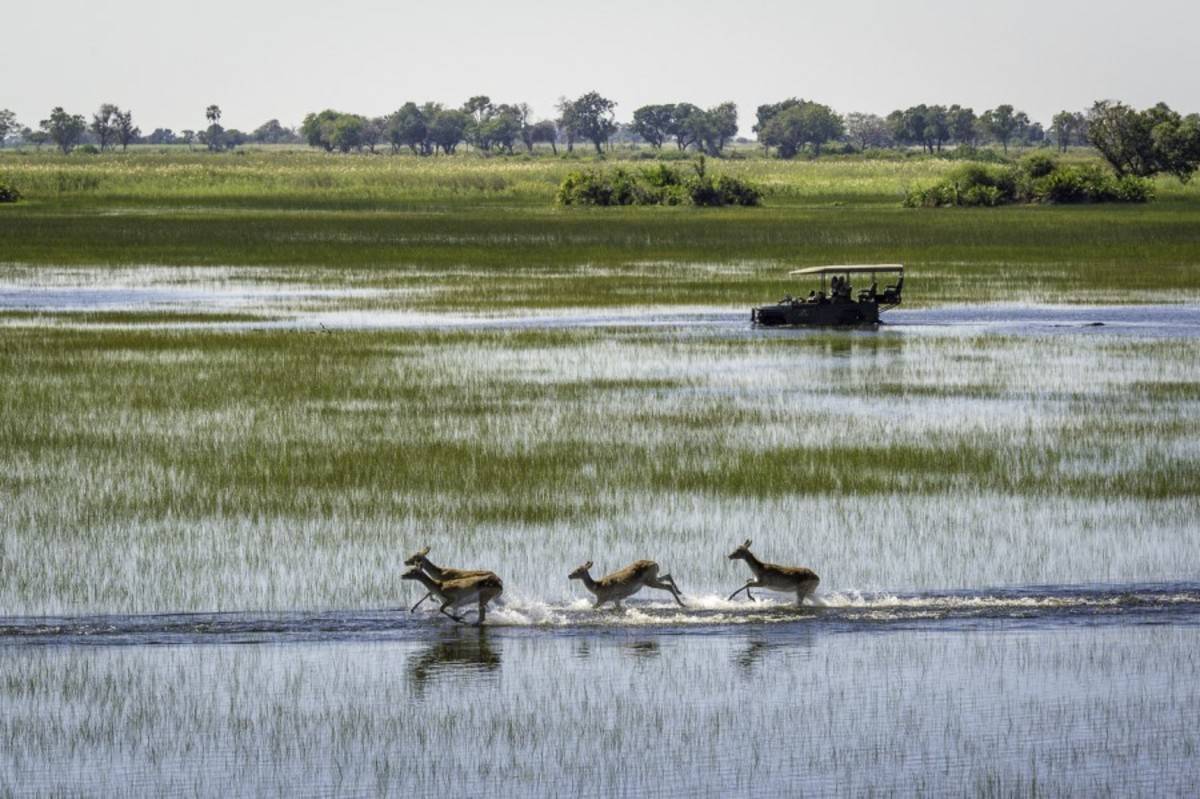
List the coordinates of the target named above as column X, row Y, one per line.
column 1037, row 607
column 1133, row 320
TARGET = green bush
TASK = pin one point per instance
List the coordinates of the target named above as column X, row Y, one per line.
column 86, row 149
column 1037, row 179
column 8, row 194
column 655, row 185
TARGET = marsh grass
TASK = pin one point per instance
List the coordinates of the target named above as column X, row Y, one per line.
column 1107, row 711
column 200, row 469
column 485, row 233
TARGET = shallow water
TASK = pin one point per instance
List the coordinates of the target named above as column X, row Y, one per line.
column 316, row 682
column 289, row 306
column 1074, row 692
column 1040, row 608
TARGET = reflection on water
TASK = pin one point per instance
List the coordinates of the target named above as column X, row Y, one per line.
column 645, row 650
column 465, row 653
column 1004, row 710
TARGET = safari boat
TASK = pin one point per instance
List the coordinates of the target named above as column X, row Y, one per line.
column 835, row 302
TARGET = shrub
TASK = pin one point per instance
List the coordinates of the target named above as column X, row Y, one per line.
column 87, row 149
column 655, row 185
column 8, row 194
column 1037, row 179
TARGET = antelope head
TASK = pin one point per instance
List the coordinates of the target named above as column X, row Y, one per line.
column 417, row 557
column 581, row 572
column 414, row 573
column 742, row 552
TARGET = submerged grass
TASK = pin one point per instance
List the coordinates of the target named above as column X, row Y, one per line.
column 1102, row 711
column 496, row 440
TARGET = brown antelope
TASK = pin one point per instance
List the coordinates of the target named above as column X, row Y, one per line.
column 626, row 582
column 785, row 579
column 420, row 560
column 481, row 588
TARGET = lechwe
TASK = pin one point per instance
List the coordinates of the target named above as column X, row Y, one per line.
column 481, row 588
column 785, row 579
column 419, row 560
column 626, row 582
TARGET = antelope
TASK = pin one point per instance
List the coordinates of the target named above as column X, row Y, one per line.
column 420, row 561
column 481, row 588
column 626, row 582
column 785, row 579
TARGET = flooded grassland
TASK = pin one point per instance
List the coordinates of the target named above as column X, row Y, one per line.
column 211, row 470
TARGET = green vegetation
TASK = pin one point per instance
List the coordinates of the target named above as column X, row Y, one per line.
column 1038, row 179
column 453, row 231
column 657, row 185
column 8, row 194
column 194, row 446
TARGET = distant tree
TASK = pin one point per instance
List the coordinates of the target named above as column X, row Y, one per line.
column 804, row 123
column 654, row 123
column 1144, row 143
column 103, row 125
column 479, row 109
column 317, row 129
column 125, row 131
column 687, row 125
column 374, row 132
column 721, row 125
column 591, row 118
column 233, row 138
column 1062, row 126
column 271, row 132
column 161, row 136
column 924, row 125
column 502, row 128
column 35, row 137
column 187, row 137
column 937, row 127
column 766, row 113
column 8, row 124
column 1001, row 123
column 213, row 137
column 448, row 129
column 1035, row 134
column 566, row 121
column 545, row 131
column 64, row 129
column 525, row 118
column 407, row 127
column 868, row 131
column 963, row 125
column 213, row 114
column 1069, row 127
column 349, row 132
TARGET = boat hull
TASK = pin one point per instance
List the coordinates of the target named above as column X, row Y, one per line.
column 810, row 314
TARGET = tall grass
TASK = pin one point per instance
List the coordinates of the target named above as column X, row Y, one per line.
column 152, row 469
column 1106, row 711
column 449, row 223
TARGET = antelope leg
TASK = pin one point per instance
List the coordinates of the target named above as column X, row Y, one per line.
column 745, row 588
column 666, row 585
column 458, row 619
column 413, row 609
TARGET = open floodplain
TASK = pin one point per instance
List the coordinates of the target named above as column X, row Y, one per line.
column 231, row 410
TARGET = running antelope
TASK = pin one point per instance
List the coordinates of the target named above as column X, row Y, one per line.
column 419, row 560
column 481, row 588
column 785, row 579
column 626, row 582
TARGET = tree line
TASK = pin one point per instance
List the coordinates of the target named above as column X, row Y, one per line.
column 1134, row 142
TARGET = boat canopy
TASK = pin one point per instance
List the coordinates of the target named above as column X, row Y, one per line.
column 841, row 270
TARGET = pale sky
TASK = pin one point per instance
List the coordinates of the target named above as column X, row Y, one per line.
column 166, row 61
